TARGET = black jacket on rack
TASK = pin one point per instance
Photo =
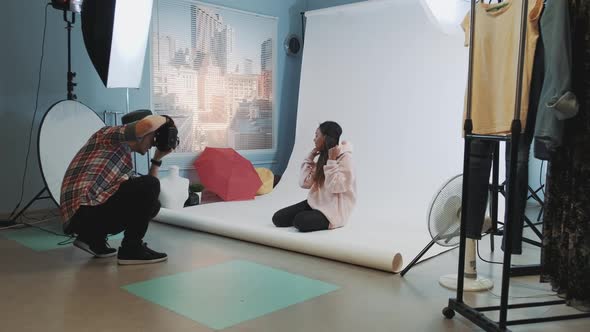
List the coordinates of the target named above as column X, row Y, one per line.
column 566, row 229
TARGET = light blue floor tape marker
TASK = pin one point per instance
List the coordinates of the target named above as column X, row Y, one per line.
column 39, row 240
column 224, row 295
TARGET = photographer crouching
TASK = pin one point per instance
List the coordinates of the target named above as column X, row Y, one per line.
column 102, row 196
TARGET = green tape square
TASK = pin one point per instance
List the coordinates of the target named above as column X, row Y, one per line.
column 224, row 295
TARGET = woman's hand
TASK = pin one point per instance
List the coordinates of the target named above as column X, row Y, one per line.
column 333, row 153
column 314, row 153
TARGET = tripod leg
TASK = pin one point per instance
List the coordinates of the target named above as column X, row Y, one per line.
column 29, row 204
column 533, row 227
column 417, row 258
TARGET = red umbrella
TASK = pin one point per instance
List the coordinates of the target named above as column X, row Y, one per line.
column 226, row 173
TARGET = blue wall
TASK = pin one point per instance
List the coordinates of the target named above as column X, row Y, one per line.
column 19, row 65
column 319, row 4
column 22, row 23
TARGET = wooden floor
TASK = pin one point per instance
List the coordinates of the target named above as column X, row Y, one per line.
column 65, row 290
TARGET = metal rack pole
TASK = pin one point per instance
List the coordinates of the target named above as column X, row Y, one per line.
column 468, row 128
column 474, row 314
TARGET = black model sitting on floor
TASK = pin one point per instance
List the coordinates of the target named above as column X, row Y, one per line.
column 331, row 182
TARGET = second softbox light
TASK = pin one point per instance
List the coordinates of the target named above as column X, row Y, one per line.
column 115, row 34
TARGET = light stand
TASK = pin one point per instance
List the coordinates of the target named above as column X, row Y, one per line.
column 71, row 75
column 65, row 6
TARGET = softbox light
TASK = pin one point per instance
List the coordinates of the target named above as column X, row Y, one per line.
column 447, row 14
column 115, row 34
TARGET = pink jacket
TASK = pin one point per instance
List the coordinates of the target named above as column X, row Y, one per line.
column 337, row 197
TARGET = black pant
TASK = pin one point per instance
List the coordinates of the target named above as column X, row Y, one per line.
column 302, row 216
column 479, row 168
column 130, row 209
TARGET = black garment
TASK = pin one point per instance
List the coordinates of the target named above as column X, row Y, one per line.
column 302, row 216
column 566, row 224
column 130, row 209
column 479, row 168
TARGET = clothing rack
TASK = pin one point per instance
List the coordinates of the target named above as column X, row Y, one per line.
column 457, row 304
column 495, row 189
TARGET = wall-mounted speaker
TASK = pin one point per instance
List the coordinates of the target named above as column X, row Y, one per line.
column 293, row 44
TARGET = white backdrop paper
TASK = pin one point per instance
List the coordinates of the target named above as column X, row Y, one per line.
column 395, row 82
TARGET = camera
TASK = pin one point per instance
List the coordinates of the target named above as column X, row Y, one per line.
column 166, row 137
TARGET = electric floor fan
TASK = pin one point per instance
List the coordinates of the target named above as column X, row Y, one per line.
column 444, row 222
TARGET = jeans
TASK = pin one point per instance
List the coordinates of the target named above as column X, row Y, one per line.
column 479, row 173
column 130, row 209
column 302, row 217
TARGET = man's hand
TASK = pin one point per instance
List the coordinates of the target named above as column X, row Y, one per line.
column 158, row 155
column 333, row 153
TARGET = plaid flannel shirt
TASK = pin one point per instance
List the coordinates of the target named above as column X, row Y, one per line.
column 97, row 170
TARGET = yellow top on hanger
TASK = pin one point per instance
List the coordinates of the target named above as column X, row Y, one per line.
column 495, row 63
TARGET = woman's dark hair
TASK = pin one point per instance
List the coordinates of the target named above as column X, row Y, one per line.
column 331, row 131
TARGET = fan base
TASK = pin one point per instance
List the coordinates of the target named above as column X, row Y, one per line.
column 469, row 285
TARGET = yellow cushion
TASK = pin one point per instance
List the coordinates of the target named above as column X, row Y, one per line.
column 267, row 179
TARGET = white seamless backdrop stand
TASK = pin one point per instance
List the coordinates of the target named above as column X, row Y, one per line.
column 395, row 81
